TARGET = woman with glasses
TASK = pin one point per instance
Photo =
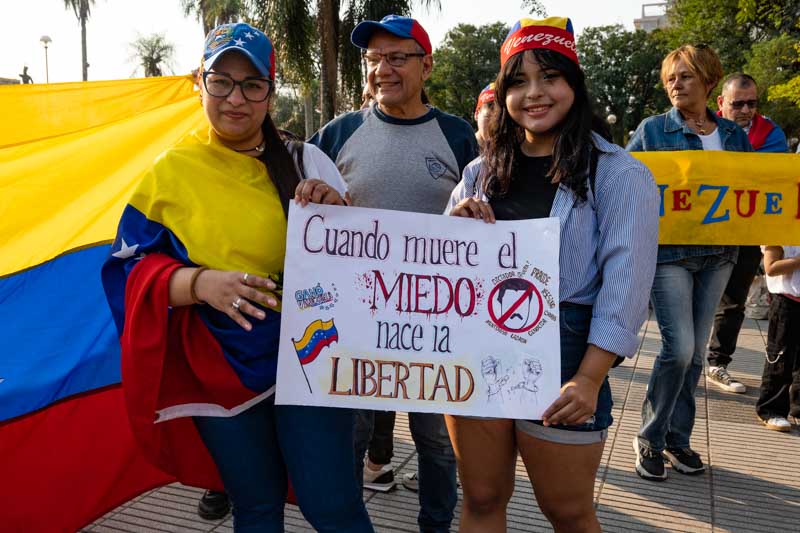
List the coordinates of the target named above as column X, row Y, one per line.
column 689, row 280
column 194, row 284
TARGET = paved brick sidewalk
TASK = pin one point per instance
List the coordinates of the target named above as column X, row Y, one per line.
column 753, row 483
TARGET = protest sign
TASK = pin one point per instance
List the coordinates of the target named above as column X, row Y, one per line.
column 412, row 312
column 726, row 197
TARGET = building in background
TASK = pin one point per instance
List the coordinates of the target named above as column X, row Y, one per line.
column 8, row 81
column 654, row 16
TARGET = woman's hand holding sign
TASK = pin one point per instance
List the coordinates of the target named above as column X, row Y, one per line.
column 474, row 208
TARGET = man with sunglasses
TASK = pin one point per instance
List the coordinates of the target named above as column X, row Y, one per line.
column 739, row 102
column 405, row 155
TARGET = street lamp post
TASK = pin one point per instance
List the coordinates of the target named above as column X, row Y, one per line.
column 45, row 40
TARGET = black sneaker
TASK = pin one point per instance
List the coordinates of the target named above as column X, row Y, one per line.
column 649, row 463
column 381, row 480
column 213, row 505
column 685, row 461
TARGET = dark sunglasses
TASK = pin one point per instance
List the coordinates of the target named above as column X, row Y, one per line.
column 738, row 104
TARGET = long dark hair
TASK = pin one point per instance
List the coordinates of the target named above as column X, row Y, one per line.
column 573, row 144
column 279, row 162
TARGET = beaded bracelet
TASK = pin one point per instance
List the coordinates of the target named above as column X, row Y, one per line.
column 192, row 282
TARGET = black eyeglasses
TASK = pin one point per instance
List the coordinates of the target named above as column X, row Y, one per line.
column 395, row 59
column 222, row 85
column 738, row 104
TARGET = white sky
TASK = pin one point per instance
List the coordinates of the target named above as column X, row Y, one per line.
column 115, row 23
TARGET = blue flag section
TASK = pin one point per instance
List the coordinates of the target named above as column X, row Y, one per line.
column 58, row 336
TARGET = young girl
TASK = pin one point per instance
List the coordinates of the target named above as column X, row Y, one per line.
column 780, row 383
column 543, row 159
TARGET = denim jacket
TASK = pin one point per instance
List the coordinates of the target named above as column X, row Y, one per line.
column 669, row 132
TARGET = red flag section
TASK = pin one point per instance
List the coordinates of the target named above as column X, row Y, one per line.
column 67, row 465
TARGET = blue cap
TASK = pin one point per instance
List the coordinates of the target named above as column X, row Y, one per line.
column 404, row 27
column 244, row 38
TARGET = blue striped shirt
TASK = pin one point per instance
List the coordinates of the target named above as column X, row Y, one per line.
column 608, row 244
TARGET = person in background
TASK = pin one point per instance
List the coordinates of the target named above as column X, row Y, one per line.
column 779, row 396
column 483, row 112
column 739, row 102
column 690, row 279
column 405, row 155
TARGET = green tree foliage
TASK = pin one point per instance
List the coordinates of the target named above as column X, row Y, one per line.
column 622, row 74
column 731, row 27
column 153, row 53
column 291, row 27
column 82, row 10
column 467, row 60
column 212, row 13
column 289, row 111
column 775, row 64
column 771, row 18
column 534, row 7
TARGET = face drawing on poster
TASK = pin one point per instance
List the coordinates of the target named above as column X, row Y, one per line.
column 491, row 370
column 531, row 372
column 508, row 294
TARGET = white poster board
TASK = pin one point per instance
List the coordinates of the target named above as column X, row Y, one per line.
column 410, row 312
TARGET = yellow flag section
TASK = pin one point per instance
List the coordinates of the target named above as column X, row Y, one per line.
column 71, row 154
column 727, row 197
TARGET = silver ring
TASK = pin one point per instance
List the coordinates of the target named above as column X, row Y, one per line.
column 244, row 278
column 237, row 303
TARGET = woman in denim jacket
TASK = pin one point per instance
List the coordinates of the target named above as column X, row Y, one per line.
column 689, row 280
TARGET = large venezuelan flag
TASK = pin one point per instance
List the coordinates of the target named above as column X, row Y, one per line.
column 70, row 156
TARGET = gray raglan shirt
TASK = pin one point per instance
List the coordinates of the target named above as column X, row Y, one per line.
column 404, row 165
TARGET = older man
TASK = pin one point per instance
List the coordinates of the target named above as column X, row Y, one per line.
column 404, row 155
column 739, row 102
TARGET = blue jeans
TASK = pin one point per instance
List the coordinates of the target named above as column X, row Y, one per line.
column 685, row 296
column 437, row 466
column 256, row 449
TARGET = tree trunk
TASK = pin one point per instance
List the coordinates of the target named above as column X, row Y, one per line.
column 308, row 111
column 328, row 13
column 85, row 63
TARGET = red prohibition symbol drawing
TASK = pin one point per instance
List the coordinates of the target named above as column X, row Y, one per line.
column 515, row 305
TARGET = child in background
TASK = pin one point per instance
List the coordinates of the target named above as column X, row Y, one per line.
column 483, row 111
column 780, row 383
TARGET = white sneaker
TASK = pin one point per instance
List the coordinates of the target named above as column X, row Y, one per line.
column 718, row 375
column 379, row 480
column 777, row 423
column 411, row 481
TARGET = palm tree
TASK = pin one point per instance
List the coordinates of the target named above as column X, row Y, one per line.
column 213, row 12
column 154, row 53
column 290, row 25
column 82, row 10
